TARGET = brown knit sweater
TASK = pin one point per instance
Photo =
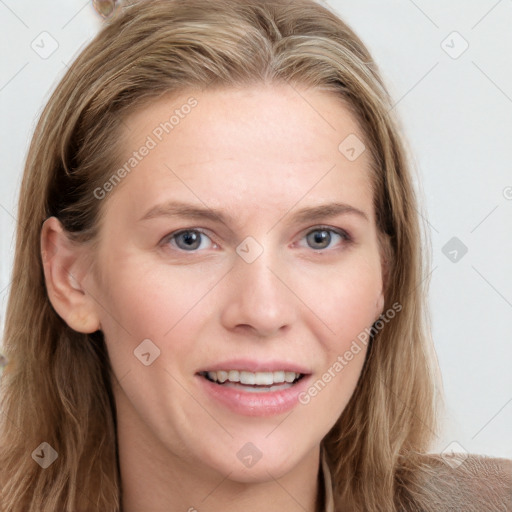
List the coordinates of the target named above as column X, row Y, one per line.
column 478, row 484
column 473, row 483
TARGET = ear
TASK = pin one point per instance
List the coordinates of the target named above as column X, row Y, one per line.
column 64, row 265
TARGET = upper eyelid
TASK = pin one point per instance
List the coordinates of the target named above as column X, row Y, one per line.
column 327, row 228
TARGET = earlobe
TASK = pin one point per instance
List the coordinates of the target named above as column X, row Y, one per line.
column 63, row 265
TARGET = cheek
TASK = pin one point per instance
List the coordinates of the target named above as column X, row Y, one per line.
column 344, row 302
column 150, row 301
column 343, row 298
column 165, row 304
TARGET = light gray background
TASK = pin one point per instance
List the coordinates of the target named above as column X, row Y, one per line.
column 457, row 115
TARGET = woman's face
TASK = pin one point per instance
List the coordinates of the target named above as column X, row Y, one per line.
column 243, row 239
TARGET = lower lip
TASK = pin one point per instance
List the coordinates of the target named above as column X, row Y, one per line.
column 268, row 403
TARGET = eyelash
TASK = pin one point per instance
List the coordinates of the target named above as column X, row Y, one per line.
column 345, row 236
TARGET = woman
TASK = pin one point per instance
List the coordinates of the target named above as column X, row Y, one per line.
column 219, row 254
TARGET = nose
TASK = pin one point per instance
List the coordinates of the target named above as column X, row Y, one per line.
column 259, row 300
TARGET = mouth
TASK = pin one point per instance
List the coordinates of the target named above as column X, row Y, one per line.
column 255, row 388
column 253, row 382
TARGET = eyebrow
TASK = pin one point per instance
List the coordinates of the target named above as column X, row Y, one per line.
column 312, row 213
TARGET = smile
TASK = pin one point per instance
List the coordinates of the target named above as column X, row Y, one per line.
column 254, row 393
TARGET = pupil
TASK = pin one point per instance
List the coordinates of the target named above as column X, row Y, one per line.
column 190, row 239
column 322, row 238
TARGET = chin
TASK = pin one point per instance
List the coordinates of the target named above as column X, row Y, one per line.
column 261, row 461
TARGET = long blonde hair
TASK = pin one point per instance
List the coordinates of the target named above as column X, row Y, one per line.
column 56, row 387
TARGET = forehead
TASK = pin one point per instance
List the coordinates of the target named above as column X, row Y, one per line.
column 225, row 147
column 310, row 121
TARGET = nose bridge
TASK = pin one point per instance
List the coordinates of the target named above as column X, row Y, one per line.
column 258, row 297
column 259, row 275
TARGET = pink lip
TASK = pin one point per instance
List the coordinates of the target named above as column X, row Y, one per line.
column 250, row 365
column 255, row 404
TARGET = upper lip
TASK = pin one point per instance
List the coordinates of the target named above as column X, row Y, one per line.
column 252, row 365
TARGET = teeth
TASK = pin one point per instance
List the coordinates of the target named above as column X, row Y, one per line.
column 247, row 378
column 251, row 379
column 222, row 376
column 278, row 376
column 233, row 375
column 264, row 379
column 290, row 376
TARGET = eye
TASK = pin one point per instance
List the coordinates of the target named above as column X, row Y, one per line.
column 191, row 240
column 188, row 240
column 321, row 237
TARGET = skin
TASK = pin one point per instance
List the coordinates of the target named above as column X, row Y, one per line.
column 258, row 154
